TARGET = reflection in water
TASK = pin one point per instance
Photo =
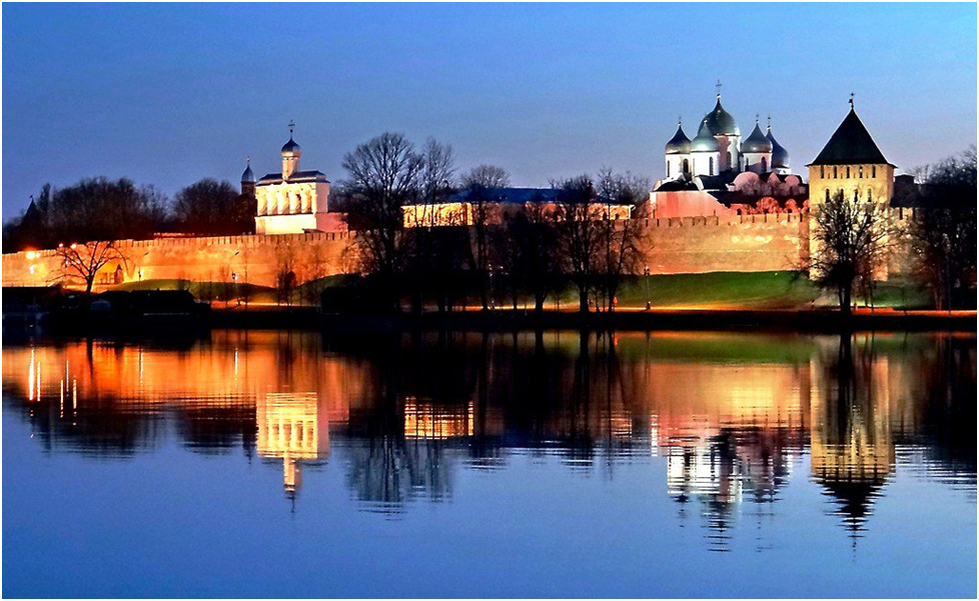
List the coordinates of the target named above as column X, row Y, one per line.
column 731, row 416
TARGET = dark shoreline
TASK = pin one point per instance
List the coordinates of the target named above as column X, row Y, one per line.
column 506, row 320
column 691, row 320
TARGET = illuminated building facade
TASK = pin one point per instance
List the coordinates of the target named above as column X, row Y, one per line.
column 291, row 201
column 500, row 205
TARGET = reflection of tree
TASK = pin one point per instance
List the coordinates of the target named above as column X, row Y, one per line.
column 948, row 392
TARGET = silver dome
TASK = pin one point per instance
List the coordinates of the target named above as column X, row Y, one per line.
column 756, row 142
column 705, row 140
column 679, row 143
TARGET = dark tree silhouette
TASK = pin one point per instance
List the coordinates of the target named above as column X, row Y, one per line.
column 851, row 240
column 212, row 208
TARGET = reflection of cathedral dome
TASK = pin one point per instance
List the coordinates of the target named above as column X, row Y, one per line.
column 705, row 140
column 756, row 142
column 290, row 148
column 780, row 156
column 720, row 122
column 679, row 143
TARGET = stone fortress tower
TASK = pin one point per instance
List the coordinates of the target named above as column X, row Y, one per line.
column 851, row 163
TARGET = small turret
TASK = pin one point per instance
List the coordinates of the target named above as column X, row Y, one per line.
column 248, row 179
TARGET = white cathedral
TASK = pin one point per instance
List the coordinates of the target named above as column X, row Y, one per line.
column 718, row 148
column 718, row 172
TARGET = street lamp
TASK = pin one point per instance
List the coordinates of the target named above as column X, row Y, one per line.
column 649, row 302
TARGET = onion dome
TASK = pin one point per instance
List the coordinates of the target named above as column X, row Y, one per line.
column 247, row 177
column 705, row 140
column 756, row 142
column 679, row 143
column 720, row 122
column 290, row 148
column 780, row 156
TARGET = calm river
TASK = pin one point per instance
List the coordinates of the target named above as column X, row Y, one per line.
column 254, row 464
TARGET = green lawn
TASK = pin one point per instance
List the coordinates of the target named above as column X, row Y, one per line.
column 719, row 290
column 765, row 290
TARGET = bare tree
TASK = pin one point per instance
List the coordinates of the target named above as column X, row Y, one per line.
column 943, row 228
column 487, row 176
column 213, row 208
column 438, row 171
column 81, row 262
column 580, row 239
column 529, row 249
column 383, row 176
column 851, row 242
column 620, row 251
column 285, row 272
column 481, row 181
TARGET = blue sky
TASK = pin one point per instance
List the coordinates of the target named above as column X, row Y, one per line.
column 168, row 94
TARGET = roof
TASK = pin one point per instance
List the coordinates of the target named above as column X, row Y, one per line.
column 675, row 185
column 514, row 195
column 851, row 144
column 297, row 177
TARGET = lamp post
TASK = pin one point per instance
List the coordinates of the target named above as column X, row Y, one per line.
column 649, row 302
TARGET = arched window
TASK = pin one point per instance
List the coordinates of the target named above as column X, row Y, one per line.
column 870, row 195
column 764, row 164
column 822, row 171
column 667, row 169
column 834, row 171
column 710, row 166
column 873, row 171
column 856, row 196
column 848, row 172
column 686, row 166
column 747, row 163
column 827, row 194
column 860, row 175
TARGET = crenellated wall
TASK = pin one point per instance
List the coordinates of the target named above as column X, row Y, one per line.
column 255, row 259
column 748, row 243
column 768, row 242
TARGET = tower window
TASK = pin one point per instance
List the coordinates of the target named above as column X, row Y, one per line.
column 834, row 171
column 860, row 175
column 822, row 171
column 848, row 172
column 686, row 166
column 870, row 195
column 873, row 171
column 710, row 166
column 827, row 194
column 728, row 161
column 856, row 196
column 667, row 169
column 764, row 164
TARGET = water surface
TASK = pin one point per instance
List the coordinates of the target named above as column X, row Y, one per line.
column 668, row 464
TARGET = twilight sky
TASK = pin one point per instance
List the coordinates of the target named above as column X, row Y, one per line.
column 168, row 94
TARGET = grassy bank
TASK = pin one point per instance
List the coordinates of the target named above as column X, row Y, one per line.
column 781, row 290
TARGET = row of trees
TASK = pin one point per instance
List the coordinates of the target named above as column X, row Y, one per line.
column 853, row 240
column 103, row 209
column 544, row 247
